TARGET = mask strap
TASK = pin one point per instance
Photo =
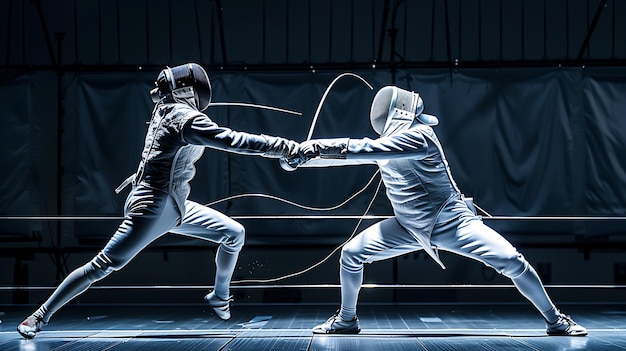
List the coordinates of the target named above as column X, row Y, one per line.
column 414, row 101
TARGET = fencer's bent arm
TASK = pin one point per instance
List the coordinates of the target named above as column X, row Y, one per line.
column 201, row 130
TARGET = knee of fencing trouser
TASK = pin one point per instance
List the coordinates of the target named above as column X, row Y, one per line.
column 99, row 267
column 351, row 258
column 234, row 240
column 514, row 266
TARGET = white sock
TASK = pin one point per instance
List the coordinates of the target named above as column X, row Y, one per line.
column 225, row 265
column 347, row 314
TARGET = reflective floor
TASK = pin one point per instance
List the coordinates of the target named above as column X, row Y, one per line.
column 287, row 327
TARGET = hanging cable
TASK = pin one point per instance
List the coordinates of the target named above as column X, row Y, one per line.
column 294, row 203
column 319, row 106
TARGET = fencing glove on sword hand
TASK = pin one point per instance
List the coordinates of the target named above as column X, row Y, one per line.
column 316, row 149
column 336, row 148
column 277, row 147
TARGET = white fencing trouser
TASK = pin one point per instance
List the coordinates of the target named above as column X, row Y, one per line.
column 149, row 215
column 459, row 231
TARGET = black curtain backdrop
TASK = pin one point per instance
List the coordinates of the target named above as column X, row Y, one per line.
column 521, row 142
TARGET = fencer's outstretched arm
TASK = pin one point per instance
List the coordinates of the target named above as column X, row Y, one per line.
column 346, row 151
column 201, row 130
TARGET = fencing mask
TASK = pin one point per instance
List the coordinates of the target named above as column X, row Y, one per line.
column 394, row 109
column 188, row 82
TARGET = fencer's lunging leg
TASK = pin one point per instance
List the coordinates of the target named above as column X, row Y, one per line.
column 205, row 223
column 351, row 281
column 141, row 226
column 225, row 262
column 380, row 241
column 351, row 273
column 529, row 284
column 75, row 284
column 473, row 239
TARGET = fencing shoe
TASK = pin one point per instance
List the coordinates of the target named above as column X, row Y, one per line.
column 221, row 307
column 565, row 325
column 30, row 326
column 336, row 325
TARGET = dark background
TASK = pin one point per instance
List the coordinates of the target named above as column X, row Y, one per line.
column 531, row 96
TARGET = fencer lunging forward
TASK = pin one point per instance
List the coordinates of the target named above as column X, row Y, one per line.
column 157, row 204
column 430, row 213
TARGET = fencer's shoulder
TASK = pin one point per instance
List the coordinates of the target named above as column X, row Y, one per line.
column 416, row 131
column 418, row 136
column 177, row 115
column 173, row 108
column 424, row 130
column 185, row 113
column 183, row 108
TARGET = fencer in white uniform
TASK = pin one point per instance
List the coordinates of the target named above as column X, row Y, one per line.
column 158, row 203
column 430, row 213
